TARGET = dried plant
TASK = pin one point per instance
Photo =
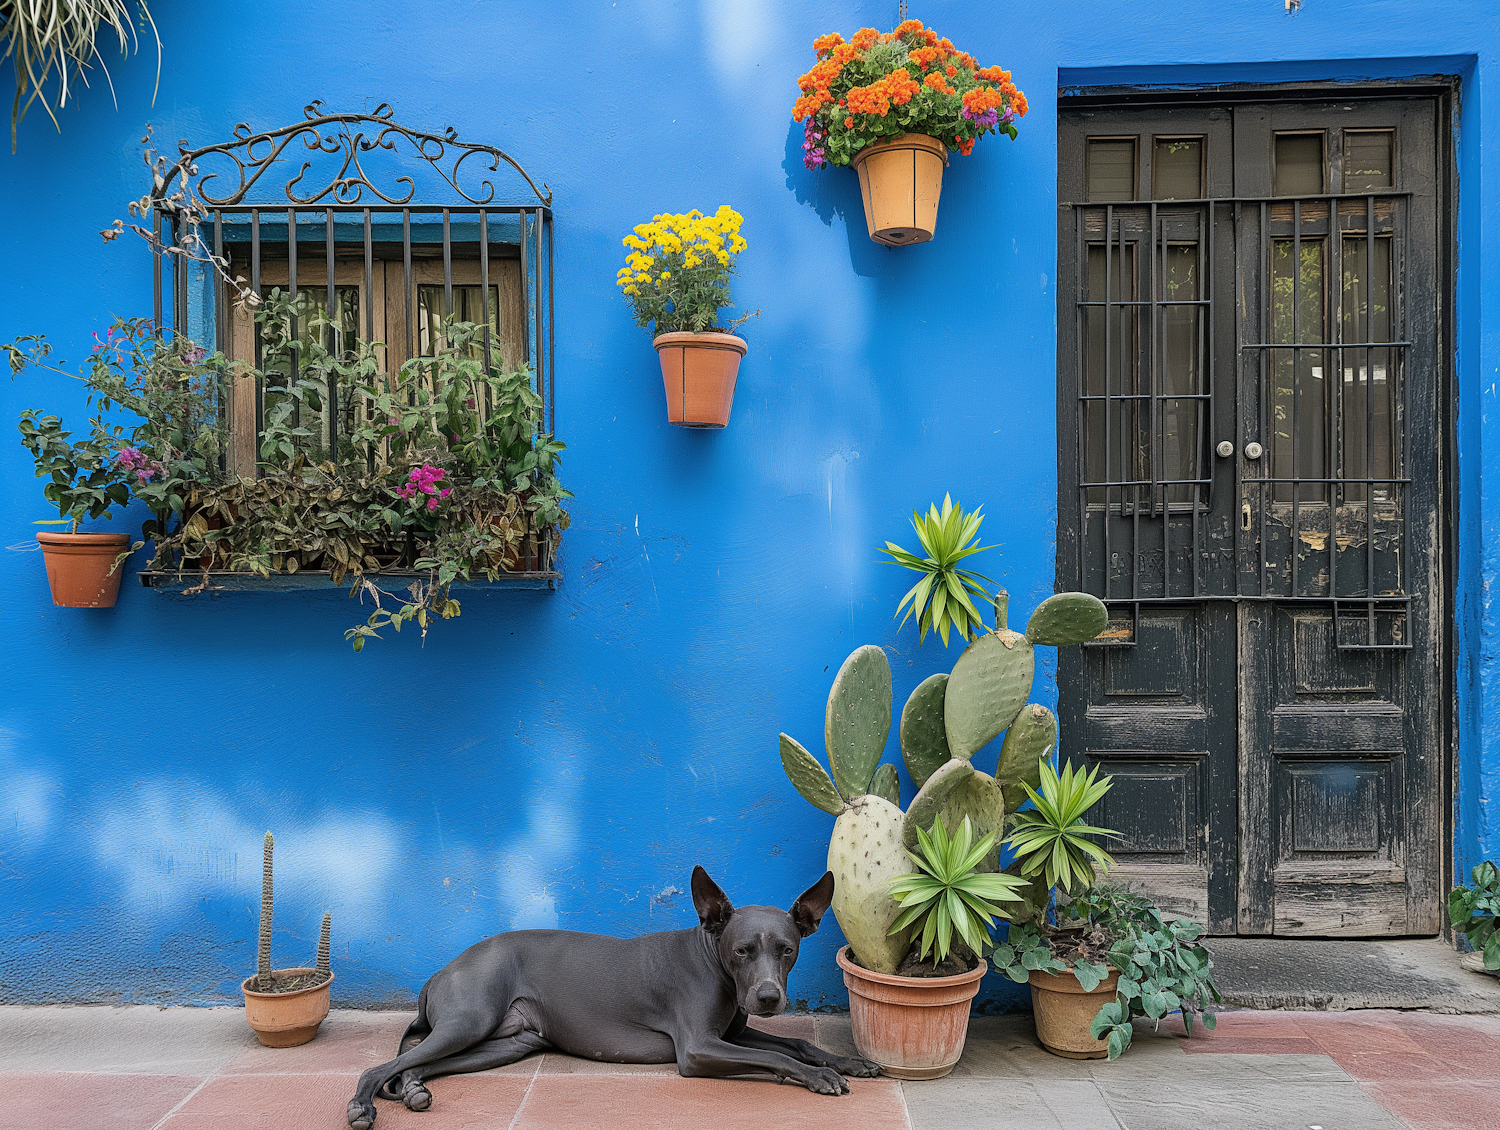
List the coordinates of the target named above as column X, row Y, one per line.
column 43, row 38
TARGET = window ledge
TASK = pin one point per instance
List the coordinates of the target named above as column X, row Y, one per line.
column 190, row 582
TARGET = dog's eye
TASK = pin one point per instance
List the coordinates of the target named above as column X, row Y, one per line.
column 742, row 952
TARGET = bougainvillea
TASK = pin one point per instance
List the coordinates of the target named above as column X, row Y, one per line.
column 876, row 86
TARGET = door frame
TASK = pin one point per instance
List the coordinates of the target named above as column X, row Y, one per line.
column 1445, row 92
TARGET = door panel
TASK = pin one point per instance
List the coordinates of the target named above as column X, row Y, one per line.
column 1249, row 469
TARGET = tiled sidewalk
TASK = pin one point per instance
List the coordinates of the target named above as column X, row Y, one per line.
column 201, row 1069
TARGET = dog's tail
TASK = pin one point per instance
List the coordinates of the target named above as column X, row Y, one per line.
column 419, row 1029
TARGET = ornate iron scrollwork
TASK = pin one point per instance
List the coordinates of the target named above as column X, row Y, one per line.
column 346, row 136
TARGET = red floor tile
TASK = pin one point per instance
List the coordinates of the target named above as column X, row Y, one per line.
column 795, row 1027
column 319, row 1102
column 342, row 1045
column 656, row 1102
column 1447, row 1105
column 1257, row 1045
column 36, row 1099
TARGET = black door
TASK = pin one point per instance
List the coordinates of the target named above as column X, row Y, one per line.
column 1249, row 467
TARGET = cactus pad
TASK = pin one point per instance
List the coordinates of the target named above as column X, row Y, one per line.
column 1067, row 618
column 803, row 770
column 886, row 785
column 924, row 745
column 987, row 689
column 858, row 719
column 865, row 854
column 1029, row 738
column 960, row 794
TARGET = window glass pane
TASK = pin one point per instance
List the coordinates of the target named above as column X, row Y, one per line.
column 1181, row 411
column 1299, row 420
column 1111, row 169
column 466, row 308
column 1114, row 449
column 1177, row 169
column 1368, row 377
column 317, row 336
column 1367, row 160
column 1299, row 164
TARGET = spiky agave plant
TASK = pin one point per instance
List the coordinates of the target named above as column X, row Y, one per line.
column 942, row 599
column 59, row 37
column 949, row 896
column 1053, row 840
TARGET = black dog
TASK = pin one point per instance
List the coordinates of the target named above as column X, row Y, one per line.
column 679, row 997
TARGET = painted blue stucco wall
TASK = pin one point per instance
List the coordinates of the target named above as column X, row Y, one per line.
column 564, row 759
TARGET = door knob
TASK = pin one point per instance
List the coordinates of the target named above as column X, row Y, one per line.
column 1253, row 451
column 1225, row 449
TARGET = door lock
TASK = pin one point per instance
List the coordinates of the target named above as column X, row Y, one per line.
column 1225, row 449
column 1254, row 451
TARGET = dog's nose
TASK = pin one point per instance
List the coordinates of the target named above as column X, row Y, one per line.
column 767, row 994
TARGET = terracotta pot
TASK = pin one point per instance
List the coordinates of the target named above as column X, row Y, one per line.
column 284, row 1020
column 900, row 181
column 1064, row 1012
column 699, row 372
column 914, row 1027
column 78, row 568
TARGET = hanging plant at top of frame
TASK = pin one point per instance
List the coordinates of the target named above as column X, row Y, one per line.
column 894, row 106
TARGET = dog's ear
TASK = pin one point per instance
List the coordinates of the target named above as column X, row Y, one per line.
column 808, row 910
column 712, row 903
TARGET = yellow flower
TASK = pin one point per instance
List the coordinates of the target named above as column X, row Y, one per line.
column 691, row 261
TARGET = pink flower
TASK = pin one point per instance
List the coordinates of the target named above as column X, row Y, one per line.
column 432, row 504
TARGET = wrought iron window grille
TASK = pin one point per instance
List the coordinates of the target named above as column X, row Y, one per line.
column 379, row 231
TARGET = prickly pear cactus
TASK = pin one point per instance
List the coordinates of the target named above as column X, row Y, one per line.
column 1067, row 618
column 953, row 792
column 924, row 742
column 1030, row 737
column 858, row 719
column 988, row 686
column 865, row 854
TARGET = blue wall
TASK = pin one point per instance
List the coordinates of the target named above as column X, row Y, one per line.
column 564, row 759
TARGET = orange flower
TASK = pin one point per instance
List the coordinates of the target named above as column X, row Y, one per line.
column 1018, row 103
column 909, row 25
column 865, row 37
column 965, row 146
column 925, row 56
column 951, row 71
column 827, row 42
column 938, row 82
column 848, row 123
column 930, row 37
column 982, row 98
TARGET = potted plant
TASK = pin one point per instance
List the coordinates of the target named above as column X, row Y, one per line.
column 894, row 106
column 947, row 720
column 1474, row 913
column 677, row 280
column 285, row 1006
column 85, row 481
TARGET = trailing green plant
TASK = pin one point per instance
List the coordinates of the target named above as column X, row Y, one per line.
column 944, row 597
column 1052, row 840
column 948, row 895
column 946, row 721
column 59, row 40
column 84, row 480
column 1475, row 912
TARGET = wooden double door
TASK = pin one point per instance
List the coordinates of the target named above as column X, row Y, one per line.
column 1251, row 308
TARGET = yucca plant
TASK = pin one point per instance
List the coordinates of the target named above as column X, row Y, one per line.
column 942, row 598
column 46, row 37
column 949, row 896
column 1054, row 839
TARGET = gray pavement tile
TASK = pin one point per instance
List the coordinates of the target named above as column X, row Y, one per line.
column 134, row 1038
column 1298, row 1105
column 959, row 1102
column 1216, row 1070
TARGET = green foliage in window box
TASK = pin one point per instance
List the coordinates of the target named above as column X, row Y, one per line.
column 1475, row 912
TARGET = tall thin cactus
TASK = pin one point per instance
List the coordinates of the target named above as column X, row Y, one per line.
column 323, row 943
column 263, row 956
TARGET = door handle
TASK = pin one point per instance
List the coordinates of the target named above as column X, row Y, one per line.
column 1254, row 451
column 1225, row 449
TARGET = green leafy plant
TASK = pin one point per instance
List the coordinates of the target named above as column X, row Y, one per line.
column 1053, row 840
column 84, row 480
column 943, row 598
column 677, row 273
column 948, row 895
column 1475, row 912
column 60, row 38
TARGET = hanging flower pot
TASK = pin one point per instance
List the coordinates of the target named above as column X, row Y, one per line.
column 699, row 371
column 900, row 181
column 895, row 114
column 82, row 569
column 677, row 278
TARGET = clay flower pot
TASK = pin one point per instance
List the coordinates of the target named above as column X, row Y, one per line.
column 699, row 372
column 79, row 568
column 1064, row 1012
column 284, row 1020
column 900, row 181
column 914, row 1027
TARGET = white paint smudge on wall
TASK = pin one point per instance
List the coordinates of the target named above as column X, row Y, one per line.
column 27, row 795
column 541, row 850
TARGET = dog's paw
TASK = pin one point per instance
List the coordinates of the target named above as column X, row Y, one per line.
column 416, row 1097
column 858, row 1068
column 826, row 1081
column 361, row 1115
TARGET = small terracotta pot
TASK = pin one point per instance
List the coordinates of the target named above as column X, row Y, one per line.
column 900, row 181
column 79, row 568
column 699, row 372
column 1064, row 1012
column 284, row 1020
column 914, row 1027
